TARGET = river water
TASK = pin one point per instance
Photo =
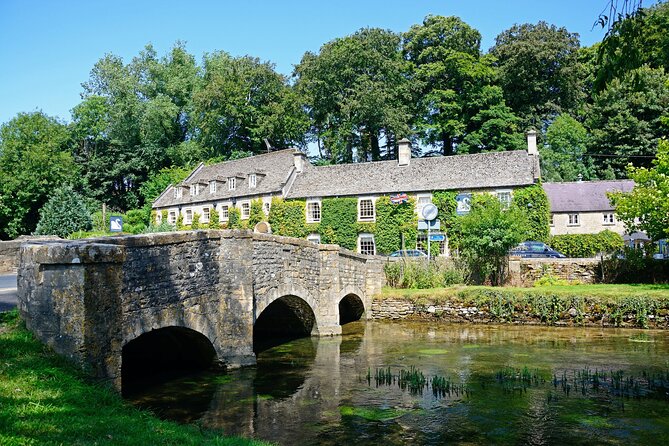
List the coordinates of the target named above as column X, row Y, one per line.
column 414, row 383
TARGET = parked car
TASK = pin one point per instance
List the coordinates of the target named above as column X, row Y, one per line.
column 408, row 253
column 530, row 249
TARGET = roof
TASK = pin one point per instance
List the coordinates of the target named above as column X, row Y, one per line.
column 479, row 171
column 584, row 196
column 273, row 172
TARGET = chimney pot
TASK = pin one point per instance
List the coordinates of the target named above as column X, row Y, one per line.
column 298, row 160
column 532, row 142
column 404, row 152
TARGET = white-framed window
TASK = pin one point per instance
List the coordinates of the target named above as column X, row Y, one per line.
column 550, row 221
column 504, row 197
column 266, row 207
column 172, row 217
column 313, row 211
column 205, row 215
column 422, row 200
column 179, row 192
column 212, row 187
column 609, row 219
column 252, row 180
column 188, row 217
column 246, row 210
column 314, row 237
column 573, row 220
column 192, row 190
column 232, row 181
column 224, row 215
column 366, row 244
column 366, row 209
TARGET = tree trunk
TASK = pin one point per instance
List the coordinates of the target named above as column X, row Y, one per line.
column 448, row 144
column 374, row 143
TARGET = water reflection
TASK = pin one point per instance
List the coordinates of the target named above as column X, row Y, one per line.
column 316, row 391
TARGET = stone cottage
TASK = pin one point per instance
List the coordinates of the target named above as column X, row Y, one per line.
column 288, row 174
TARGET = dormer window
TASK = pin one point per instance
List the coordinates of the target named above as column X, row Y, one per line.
column 212, row 187
column 178, row 192
column 232, row 183
column 252, row 180
column 192, row 190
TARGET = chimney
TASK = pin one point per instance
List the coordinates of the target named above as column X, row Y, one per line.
column 404, row 152
column 298, row 160
column 532, row 142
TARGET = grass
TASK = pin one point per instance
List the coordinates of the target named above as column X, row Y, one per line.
column 45, row 400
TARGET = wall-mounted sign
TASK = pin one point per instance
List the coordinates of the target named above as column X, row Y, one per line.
column 464, row 204
column 116, row 224
column 437, row 237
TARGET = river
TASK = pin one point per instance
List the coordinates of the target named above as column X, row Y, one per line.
column 415, row 383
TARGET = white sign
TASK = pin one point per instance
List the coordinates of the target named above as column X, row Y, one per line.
column 116, row 224
column 464, row 204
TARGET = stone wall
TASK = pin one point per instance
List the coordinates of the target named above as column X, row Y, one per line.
column 9, row 252
column 524, row 272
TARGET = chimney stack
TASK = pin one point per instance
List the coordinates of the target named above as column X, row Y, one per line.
column 404, row 152
column 298, row 160
column 532, row 142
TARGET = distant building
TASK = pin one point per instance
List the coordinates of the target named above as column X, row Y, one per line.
column 288, row 174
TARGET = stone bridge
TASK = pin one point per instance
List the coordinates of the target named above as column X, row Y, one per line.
column 126, row 305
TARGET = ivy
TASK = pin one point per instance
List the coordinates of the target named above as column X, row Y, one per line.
column 257, row 214
column 533, row 201
column 448, row 219
column 339, row 222
column 288, row 218
column 392, row 222
column 180, row 222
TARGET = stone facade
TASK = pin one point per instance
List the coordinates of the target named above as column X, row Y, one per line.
column 89, row 298
column 524, row 272
column 588, row 223
column 9, row 252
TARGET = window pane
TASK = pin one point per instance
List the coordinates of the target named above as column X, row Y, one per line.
column 366, row 209
column 313, row 211
column 246, row 210
column 367, row 245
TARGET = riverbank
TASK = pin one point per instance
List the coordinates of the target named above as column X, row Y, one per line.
column 645, row 306
column 47, row 401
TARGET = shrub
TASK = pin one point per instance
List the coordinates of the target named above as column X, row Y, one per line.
column 421, row 274
column 257, row 214
column 214, row 218
column 587, row 245
column 64, row 213
column 196, row 221
column 234, row 218
column 164, row 226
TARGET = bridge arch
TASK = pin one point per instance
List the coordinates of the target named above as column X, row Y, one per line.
column 351, row 305
column 164, row 353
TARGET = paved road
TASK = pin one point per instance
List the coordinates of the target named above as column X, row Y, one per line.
column 7, row 291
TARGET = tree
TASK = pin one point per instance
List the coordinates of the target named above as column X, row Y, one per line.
column 487, row 234
column 458, row 105
column 256, row 213
column 64, row 213
column 358, row 95
column 562, row 158
column 539, row 71
column 627, row 119
column 646, row 207
column 34, row 161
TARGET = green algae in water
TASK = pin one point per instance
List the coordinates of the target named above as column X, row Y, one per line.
column 642, row 338
column 373, row 413
column 222, row 379
column 433, row 351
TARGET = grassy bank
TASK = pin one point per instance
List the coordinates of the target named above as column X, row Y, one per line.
column 611, row 304
column 44, row 400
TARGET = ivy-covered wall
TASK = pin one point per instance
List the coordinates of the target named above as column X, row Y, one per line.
column 534, row 201
column 339, row 222
column 392, row 222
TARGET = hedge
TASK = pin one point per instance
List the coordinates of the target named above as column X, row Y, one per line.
column 587, row 245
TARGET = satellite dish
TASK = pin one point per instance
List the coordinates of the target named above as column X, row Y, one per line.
column 430, row 212
column 263, row 227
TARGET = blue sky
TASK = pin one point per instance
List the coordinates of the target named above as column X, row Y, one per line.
column 47, row 48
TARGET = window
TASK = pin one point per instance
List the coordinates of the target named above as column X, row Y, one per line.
column 366, row 209
column 550, row 221
column 175, row 192
column 197, row 189
column 266, row 207
column 252, row 180
column 609, row 219
column 573, row 219
column 212, row 187
column 172, row 217
column 231, row 183
column 313, row 211
column 205, row 215
column 224, row 213
column 246, row 210
column 421, row 243
column 188, row 218
column 366, row 244
column 504, row 197
column 421, row 202
column 192, row 190
column 179, row 192
column 314, row 238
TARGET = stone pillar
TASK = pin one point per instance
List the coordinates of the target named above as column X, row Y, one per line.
column 329, row 290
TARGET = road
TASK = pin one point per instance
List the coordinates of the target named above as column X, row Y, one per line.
column 7, row 292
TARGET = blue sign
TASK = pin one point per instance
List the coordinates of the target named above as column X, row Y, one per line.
column 437, row 237
column 433, row 224
column 464, row 204
column 116, row 224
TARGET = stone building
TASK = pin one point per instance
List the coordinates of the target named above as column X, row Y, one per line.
column 288, row 174
column 582, row 207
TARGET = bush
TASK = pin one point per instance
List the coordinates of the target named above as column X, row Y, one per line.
column 164, row 226
column 257, row 214
column 234, row 218
column 196, row 221
column 214, row 218
column 421, row 274
column 64, row 213
column 634, row 266
column 587, row 245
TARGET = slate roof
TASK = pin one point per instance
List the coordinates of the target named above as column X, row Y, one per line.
column 459, row 172
column 272, row 171
column 584, row 196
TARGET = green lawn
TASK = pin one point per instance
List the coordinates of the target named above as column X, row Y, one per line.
column 44, row 400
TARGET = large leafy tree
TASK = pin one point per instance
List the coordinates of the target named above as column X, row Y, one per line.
column 627, row 119
column 457, row 104
column 563, row 158
column 646, row 208
column 539, row 71
column 34, row 160
column 358, row 95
